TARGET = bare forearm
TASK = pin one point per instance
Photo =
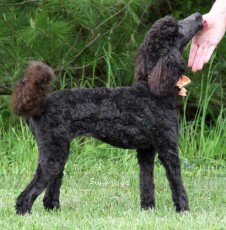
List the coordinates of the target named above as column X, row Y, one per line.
column 219, row 7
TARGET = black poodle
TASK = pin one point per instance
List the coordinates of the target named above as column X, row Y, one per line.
column 143, row 116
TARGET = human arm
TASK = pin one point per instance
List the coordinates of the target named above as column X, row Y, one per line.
column 204, row 43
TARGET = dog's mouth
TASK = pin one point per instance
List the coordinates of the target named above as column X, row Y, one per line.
column 188, row 27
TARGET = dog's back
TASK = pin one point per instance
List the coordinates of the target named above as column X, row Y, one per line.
column 123, row 116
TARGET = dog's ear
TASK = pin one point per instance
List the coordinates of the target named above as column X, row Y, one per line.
column 140, row 65
column 162, row 80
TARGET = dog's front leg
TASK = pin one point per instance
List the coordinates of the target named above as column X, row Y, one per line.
column 146, row 163
column 170, row 160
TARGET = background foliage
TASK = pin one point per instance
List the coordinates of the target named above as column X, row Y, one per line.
column 87, row 36
column 93, row 43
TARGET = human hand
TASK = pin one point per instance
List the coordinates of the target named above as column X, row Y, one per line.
column 204, row 42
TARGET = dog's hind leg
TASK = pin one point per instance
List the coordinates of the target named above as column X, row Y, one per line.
column 146, row 163
column 168, row 155
column 51, row 163
column 52, row 194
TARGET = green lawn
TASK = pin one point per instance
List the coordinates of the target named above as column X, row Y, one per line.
column 101, row 192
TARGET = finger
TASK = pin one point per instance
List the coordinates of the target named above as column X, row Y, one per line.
column 197, row 58
column 202, row 59
column 192, row 54
column 209, row 53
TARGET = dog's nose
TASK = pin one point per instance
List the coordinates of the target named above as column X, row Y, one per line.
column 188, row 27
column 198, row 16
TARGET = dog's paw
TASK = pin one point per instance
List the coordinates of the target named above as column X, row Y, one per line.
column 147, row 206
column 50, row 204
column 182, row 205
column 22, row 207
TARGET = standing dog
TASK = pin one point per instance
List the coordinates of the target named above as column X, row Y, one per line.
column 143, row 116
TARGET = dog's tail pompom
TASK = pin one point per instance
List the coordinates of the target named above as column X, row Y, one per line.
column 29, row 92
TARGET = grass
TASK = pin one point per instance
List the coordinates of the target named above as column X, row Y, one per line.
column 101, row 190
column 199, row 139
column 100, row 193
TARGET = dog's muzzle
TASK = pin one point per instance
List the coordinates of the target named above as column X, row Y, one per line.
column 188, row 27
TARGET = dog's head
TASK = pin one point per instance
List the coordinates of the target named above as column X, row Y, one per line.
column 159, row 59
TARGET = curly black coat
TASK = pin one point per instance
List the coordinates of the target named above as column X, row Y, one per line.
column 143, row 116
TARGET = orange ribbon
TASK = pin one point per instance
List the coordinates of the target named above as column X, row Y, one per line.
column 181, row 83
